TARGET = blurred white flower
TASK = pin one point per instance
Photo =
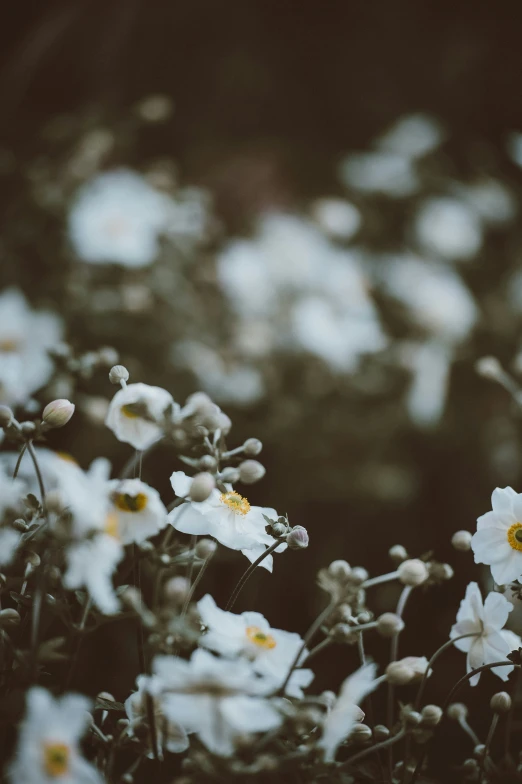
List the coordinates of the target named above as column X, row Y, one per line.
column 25, row 338
column 228, row 517
column 136, row 414
column 48, row 747
column 340, row 720
column 413, row 136
column 491, row 200
column 380, row 171
column 170, row 735
column 118, row 217
column 430, row 365
column 271, row 651
column 138, row 508
column 498, row 539
column 338, row 218
column 485, row 620
column 448, row 228
column 218, row 699
column 9, row 541
column 188, row 215
column 514, row 147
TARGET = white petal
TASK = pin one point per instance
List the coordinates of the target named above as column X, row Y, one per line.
column 181, row 483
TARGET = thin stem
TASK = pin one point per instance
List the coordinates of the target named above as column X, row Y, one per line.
column 509, row 719
column 80, row 629
column 469, row 675
column 38, row 473
column 319, row 647
column 372, row 749
column 491, row 732
column 195, row 584
column 19, row 461
column 470, row 732
column 190, row 570
column 394, row 650
column 250, row 570
column 316, row 625
column 431, row 662
column 143, row 664
column 383, row 578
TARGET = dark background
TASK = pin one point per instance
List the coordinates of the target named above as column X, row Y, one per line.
column 268, row 95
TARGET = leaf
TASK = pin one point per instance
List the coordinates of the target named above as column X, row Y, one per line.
column 108, row 705
column 32, row 502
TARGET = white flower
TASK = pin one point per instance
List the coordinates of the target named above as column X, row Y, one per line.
column 139, row 510
column 498, row 540
column 271, row 651
column 448, row 228
column 412, row 136
column 491, row 200
column 345, row 712
column 48, row 748
column 491, row 642
column 514, row 147
column 380, row 172
column 169, row 734
column 136, row 414
column 25, row 338
column 218, row 699
column 337, row 218
column 117, row 217
column 430, row 365
column 9, row 541
column 228, row 517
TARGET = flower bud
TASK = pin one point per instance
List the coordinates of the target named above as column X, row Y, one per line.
column 457, row 711
column 33, row 559
column 208, row 463
column 230, row 475
column 398, row 553
column 342, row 632
column 205, row 548
column 431, row 715
column 461, row 540
column 359, row 575
column 176, row 589
column 105, row 695
column 389, row 624
column 489, row 367
column 20, row 525
column 118, row 373
column 412, row 572
column 297, row 539
column 399, row 674
column 202, row 486
column 9, row 617
column 28, row 429
column 279, row 529
column 58, row 413
column 470, row 767
column 340, row 569
column 380, row 733
column 364, row 617
column 360, row 733
column 251, row 471
column 252, row 447
column 500, row 702
column 412, row 718
column 6, row 416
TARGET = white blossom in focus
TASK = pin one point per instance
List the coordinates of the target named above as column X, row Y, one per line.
column 118, row 217
column 221, row 700
column 485, row 620
column 138, row 508
column 340, row 720
column 271, row 651
column 48, row 747
column 498, row 539
column 448, row 228
column 169, row 734
column 136, row 414
column 25, row 338
column 228, row 517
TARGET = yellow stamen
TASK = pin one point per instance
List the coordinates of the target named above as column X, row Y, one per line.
column 9, row 346
column 130, row 503
column 236, row 502
column 514, row 536
column 111, row 525
column 129, row 411
column 67, row 457
column 56, row 759
column 259, row 638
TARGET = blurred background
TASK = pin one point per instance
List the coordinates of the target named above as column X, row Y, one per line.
column 310, row 211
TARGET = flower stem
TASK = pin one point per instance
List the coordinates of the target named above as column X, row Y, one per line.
column 38, row 473
column 383, row 578
column 195, row 584
column 372, row 749
column 250, row 570
column 319, row 647
column 394, row 650
column 19, row 461
column 469, row 675
column 431, row 662
column 489, row 738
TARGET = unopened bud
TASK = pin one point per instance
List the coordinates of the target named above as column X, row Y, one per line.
column 9, row 617
column 118, row 373
column 431, row 715
column 380, row 733
column 461, row 540
column 230, row 475
column 20, row 525
column 342, row 632
column 58, row 413
column 500, row 702
column 208, row 463
column 412, row 572
column 252, row 447
column 364, row 617
column 33, row 559
column 105, row 695
column 205, row 548
column 28, row 428
column 6, row 416
column 457, row 711
column 360, row 733
column 297, row 539
column 359, row 575
column 412, row 718
column 399, row 674
column 398, row 553
column 279, row 529
column 202, row 486
column 340, row 569
column 251, row 471
column 176, row 589
column 389, row 624
column 489, row 367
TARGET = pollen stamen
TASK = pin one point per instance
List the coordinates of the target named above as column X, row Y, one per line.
column 514, row 536
column 259, row 638
column 56, row 759
column 235, row 502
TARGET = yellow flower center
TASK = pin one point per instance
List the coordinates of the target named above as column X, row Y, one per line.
column 259, row 638
column 130, row 503
column 8, row 345
column 129, row 410
column 236, row 502
column 111, row 525
column 67, row 457
column 514, row 536
column 56, row 759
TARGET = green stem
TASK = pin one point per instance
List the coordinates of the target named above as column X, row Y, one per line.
column 38, row 473
column 319, row 647
column 432, row 661
column 250, row 570
column 19, row 461
column 385, row 744
column 195, row 584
